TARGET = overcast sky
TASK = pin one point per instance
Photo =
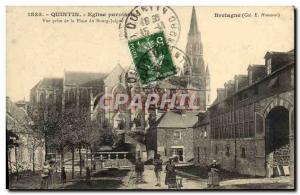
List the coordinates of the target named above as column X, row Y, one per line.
column 36, row 49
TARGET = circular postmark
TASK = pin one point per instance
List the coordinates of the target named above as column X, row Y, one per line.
column 142, row 21
column 179, row 59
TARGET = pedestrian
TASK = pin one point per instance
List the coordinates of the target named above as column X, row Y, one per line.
column 50, row 173
column 94, row 164
column 139, row 169
column 170, row 179
column 213, row 174
column 158, row 169
column 63, row 175
column 88, row 175
column 45, row 176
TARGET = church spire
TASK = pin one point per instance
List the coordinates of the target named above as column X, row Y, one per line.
column 193, row 26
column 194, row 48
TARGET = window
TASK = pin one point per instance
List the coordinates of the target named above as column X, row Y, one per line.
column 205, row 134
column 246, row 129
column 227, row 151
column 177, row 135
column 205, row 153
column 198, row 149
column 178, row 152
column 269, row 67
column 216, row 149
column 243, row 153
column 256, row 91
column 251, row 129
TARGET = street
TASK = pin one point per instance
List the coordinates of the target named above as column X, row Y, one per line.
column 126, row 179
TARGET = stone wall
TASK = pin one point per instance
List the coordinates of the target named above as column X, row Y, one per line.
column 201, row 146
column 224, row 152
column 166, row 140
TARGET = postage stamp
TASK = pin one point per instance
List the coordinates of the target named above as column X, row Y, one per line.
column 142, row 21
column 152, row 58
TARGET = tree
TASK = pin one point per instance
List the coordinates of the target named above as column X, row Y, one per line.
column 12, row 142
column 76, row 131
column 35, row 140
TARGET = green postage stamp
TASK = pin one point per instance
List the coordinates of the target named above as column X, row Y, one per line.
column 152, row 58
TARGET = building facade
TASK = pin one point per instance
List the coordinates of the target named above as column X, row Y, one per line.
column 252, row 119
column 201, row 140
column 50, row 98
column 30, row 150
column 175, row 136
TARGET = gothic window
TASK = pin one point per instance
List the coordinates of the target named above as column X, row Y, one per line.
column 241, row 130
column 237, row 131
column 246, row 129
column 72, row 98
column 84, row 97
column 251, row 129
column 42, row 99
column 51, row 99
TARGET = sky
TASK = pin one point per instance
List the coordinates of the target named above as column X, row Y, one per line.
column 36, row 49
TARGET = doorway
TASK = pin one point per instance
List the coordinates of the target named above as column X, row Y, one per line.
column 277, row 142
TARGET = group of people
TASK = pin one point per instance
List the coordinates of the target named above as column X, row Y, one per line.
column 170, row 179
column 47, row 175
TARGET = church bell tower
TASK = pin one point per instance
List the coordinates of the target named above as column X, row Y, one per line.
column 196, row 72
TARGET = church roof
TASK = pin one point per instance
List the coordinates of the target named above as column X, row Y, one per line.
column 82, row 78
column 50, row 83
column 114, row 76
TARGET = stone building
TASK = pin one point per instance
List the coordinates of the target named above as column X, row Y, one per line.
column 45, row 105
column 201, row 140
column 174, row 135
column 30, row 152
column 252, row 119
column 193, row 79
column 52, row 97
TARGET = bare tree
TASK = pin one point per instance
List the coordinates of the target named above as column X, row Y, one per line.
column 35, row 140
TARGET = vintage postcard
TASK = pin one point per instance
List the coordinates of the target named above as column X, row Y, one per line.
column 150, row 98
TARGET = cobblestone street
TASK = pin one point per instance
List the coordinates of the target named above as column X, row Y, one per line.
column 126, row 179
column 193, row 182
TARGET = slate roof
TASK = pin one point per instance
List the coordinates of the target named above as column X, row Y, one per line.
column 114, row 76
column 83, row 78
column 177, row 120
column 17, row 119
column 203, row 119
column 49, row 83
